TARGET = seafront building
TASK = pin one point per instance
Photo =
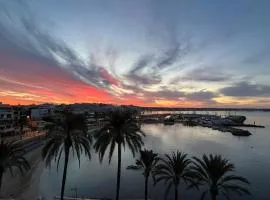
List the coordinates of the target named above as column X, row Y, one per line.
column 11, row 120
column 6, row 120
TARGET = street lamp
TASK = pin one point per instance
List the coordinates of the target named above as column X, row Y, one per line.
column 75, row 191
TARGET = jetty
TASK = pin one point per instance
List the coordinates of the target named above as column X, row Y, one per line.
column 215, row 122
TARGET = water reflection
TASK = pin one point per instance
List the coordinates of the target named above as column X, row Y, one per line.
column 250, row 155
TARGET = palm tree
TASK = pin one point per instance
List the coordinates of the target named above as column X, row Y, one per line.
column 147, row 162
column 20, row 123
column 65, row 135
column 121, row 130
column 11, row 157
column 172, row 170
column 215, row 172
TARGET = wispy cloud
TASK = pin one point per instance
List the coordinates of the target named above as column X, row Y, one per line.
column 246, row 89
column 37, row 65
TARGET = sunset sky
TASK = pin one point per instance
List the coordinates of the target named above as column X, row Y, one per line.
column 181, row 53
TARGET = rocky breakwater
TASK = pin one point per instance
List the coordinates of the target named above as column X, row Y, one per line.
column 223, row 124
column 233, row 131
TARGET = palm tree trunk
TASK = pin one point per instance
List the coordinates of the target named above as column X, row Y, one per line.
column 146, row 188
column 118, row 172
column 21, row 131
column 213, row 196
column 64, row 173
column 176, row 192
column 1, row 176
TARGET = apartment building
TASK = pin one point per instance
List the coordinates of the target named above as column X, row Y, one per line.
column 12, row 120
column 6, row 120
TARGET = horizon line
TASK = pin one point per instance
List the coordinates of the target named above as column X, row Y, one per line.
column 150, row 107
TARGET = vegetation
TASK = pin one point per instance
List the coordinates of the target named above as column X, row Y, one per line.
column 65, row 135
column 69, row 133
column 174, row 169
column 20, row 123
column 11, row 157
column 215, row 172
column 147, row 163
column 121, row 130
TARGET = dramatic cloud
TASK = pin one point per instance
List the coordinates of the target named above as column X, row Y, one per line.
column 206, row 74
column 168, row 94
column 145, row 64
column 38, row 45
column 201, row 96
column 147, row 69
column 135, row 79
column 246, row 89
column 176, row 51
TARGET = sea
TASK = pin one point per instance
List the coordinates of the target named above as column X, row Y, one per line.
column 251, row 156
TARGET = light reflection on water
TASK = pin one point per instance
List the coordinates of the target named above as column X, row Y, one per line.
column 249, row 154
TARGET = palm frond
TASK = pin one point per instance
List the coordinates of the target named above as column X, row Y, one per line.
column 212, row 170
column 236, row 189
column 120, row 129
column 230, row 178
column 12, row 156
column 70, row 133
column 147, row 162
column 173, row 168
column 203, row 195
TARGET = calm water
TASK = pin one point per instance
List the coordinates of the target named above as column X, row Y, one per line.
column 250, row 155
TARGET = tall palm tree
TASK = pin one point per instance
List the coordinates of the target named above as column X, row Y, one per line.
column 147, row 162
column 216, row 172
column 11, row 157
column 121, row 130
column 172, row 170
column 70, row 133
column 20, row 123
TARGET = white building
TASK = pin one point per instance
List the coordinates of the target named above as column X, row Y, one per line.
column 41, row 111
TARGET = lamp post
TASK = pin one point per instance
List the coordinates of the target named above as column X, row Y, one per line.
column 75, row 191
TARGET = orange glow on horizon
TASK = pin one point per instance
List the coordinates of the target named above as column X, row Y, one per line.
column 41, row 83
column 37, row 83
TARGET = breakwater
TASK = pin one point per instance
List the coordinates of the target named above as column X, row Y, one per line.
column 220, row 123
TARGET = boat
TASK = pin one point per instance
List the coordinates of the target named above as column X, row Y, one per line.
column 168, row 120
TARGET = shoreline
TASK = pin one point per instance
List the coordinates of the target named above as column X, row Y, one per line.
column 215, row 122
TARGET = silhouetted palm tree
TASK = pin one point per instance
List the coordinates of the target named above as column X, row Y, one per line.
column 147, row 162
column 172, row 170
column 11, row 157
column 215, row 172
column 121, row 130
column 64, row 135
column 20, row 123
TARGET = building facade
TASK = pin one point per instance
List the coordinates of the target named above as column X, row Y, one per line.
column 13, row 120
column 6, row 120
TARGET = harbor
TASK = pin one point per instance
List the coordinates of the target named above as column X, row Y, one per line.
column 215, row 122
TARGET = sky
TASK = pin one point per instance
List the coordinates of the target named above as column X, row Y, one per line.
column 173, row 53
